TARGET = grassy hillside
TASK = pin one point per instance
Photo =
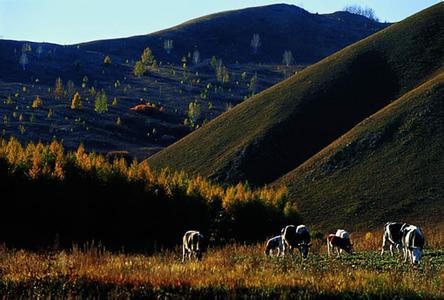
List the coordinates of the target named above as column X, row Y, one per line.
column 30, row 69
column 278, row 129
column 388, row 167
column 228, row 35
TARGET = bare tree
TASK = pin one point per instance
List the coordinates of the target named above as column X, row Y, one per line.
column 23, row 61
column 39, row 50
column 363, row 11
column 168, row 46
column 196, row 57
column 255, row 42
column 287, row 58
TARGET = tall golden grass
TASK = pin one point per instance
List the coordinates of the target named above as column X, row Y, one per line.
column 232, row 270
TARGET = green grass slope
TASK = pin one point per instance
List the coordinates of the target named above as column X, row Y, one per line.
column 388, row 167
column 277, row 130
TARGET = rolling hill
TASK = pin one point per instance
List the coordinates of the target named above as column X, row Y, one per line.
column 277, row 130
column 388, row 167
column 228, row 35
column 225, row 35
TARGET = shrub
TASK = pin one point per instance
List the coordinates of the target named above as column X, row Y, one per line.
column 107, row 61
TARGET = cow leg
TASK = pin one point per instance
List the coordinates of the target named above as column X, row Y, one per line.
column 391, row 249
column 328, row 248
column 285, row 247
column 183, row 253
column 384, row 241
column 337, row 251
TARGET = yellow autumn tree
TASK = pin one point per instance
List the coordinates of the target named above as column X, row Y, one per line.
column 58, row 91
column 76, row 102
column 37, row 102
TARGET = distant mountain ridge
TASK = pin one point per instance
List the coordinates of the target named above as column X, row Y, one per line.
column 228, row 35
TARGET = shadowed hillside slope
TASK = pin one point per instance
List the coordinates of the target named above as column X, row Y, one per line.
column 278, row 129
column 388, row 167
column 228, row 35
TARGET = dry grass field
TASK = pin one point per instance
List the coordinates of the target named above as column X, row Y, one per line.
column 231, row 271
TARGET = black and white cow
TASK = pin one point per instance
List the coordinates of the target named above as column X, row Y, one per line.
column 343, row 234
column 275, row 243
column 413, row 241
column 193, row 245
column 393, row 236
column 296, row 237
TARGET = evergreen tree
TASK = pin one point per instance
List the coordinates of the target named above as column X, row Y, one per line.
column 147, row 60
column 139, row 69
column 101, row 102
column 147, row 57
column 194, row 113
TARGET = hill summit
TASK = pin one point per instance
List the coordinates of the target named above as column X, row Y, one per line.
column 276, row 131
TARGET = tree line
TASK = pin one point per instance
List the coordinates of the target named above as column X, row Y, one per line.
column 53, row 197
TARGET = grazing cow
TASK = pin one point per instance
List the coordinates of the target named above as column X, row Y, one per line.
column 339, row 243
column 275, row 243
column 342, row 233
column 193, row 245
column 393, row 236
column 296, row 237
column 413, row 240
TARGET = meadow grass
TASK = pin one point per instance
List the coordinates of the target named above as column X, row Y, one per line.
column 230, row 271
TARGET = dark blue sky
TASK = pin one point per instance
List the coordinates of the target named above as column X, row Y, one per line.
column 73, row 21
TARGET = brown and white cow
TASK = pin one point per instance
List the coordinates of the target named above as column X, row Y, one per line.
column 296, row 237
column 193, row 245
column 340, row 243
column 413, row 241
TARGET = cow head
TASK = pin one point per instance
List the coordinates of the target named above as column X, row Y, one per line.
column 349, row 248
column 198, row 254
column 416, row 254
column 304, row 248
